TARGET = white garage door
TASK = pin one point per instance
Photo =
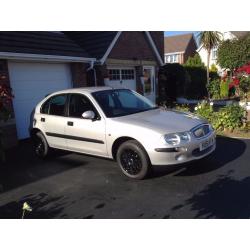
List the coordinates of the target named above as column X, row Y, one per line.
column 31, row 82
column 122, row 77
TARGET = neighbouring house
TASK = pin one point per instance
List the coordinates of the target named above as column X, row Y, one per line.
column 35, row 64
column 178, row 48
column 225, row 35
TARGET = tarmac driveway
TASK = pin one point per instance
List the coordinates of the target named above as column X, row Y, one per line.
column 70, row 185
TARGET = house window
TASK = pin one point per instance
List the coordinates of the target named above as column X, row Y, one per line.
column 214, row 53
column 121, row 74
column 114, row 74
column 127, row 74
column 171, row 58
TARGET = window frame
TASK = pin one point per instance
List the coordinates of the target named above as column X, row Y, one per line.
column 65, row 105
column 120, row 69
column 98, row 116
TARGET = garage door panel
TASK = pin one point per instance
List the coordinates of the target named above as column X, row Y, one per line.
column 19, row 71
column 31, row 82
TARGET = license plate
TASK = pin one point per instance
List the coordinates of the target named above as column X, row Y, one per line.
column 206, row 144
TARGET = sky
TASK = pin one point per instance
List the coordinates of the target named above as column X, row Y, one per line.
column 173, row 33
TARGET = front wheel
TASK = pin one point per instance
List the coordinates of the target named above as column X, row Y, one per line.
column 133, row 160
column 41, row 146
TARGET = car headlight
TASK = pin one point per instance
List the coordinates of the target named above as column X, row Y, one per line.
column 176, row 138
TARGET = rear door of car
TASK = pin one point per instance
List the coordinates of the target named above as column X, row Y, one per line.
column 52, row 120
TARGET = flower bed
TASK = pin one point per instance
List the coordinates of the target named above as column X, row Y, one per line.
column 228, row 118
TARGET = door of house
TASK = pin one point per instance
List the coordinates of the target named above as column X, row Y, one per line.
column 149, row 82
column 121, row 77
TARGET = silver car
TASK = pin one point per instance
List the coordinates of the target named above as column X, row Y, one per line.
column 122, row 125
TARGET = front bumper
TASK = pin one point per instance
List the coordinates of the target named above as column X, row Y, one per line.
column 183, row 153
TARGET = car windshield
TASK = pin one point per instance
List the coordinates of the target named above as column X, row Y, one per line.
column 121, row 102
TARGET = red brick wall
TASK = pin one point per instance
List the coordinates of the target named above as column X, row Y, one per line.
column 191, row 50
column 158, row 38
column 101, row 73
column 133, row 45
column 79, row 74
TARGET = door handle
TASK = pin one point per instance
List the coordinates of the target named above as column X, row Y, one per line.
column 70, row 123
column 42, row 119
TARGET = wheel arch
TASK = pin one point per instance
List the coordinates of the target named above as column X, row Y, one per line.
column 33, row 132
column 119, row 141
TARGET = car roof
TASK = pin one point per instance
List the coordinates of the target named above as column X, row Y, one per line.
column 84, row 90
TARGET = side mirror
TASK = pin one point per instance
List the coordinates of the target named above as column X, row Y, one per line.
column 90, row 115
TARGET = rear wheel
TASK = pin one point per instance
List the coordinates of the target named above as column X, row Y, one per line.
column 133, row 160
column 41, row 146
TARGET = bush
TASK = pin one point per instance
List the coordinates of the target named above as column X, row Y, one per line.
column 214, row 89
column 172, row 78
column 195, row 61
column 245, row 84
column 224, row 89
column 195, row 87
column 229, row 117
column 183, row 108
column 213, row 75
column 205, row 110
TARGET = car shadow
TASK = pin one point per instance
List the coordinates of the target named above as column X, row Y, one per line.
column 227, row 150
column 226, row 198
column 23, row 167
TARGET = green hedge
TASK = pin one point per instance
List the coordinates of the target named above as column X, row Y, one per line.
column 195, row 86
column 176, row 80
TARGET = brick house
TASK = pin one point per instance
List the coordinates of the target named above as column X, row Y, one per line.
column 178, row 48
column 35, row 64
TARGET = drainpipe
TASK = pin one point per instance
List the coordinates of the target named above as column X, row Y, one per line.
column 92, row 68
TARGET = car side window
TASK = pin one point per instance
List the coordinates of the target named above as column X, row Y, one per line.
column 78, row 104
column 55, row 105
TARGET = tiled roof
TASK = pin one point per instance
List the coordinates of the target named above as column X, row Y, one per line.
column 95, row 43
column 240, row 34
column 40, row 42
column 177, row 43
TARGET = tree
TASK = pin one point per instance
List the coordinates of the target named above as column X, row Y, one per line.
column 234, row 53
column 194, row 61
column 209, row 40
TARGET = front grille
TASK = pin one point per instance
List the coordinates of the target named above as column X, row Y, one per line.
column 201, row 130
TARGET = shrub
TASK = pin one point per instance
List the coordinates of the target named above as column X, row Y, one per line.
column 245, row 84
column 205, row 110
column 214, row 89
column 213, row 68
column 229, row 117
column 195, row 61
column 172, row 77
column 224, row 89
column 183, row 107
column 195, row 87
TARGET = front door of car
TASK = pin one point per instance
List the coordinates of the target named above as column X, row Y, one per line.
column 84, row 135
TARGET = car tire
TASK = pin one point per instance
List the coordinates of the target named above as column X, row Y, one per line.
column 41, row 147
column 133, row 160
